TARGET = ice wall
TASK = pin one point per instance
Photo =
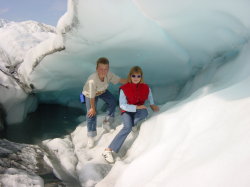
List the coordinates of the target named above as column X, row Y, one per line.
column 171, row 40
column 14, row 100
column 16, row 40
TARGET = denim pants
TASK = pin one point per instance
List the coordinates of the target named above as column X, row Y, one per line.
column 129, row 120
column 109, row 99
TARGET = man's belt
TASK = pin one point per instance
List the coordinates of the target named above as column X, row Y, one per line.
column 100, row 93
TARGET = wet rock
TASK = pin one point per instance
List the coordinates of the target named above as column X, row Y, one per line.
column 24, row 162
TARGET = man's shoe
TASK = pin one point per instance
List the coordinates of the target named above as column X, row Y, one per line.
column 106, row 124
column 91, row 142
column 108, row 156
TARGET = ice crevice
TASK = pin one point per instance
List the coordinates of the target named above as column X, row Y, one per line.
column 54, row 158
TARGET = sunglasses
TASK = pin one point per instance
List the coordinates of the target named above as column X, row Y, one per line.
column 136, row 76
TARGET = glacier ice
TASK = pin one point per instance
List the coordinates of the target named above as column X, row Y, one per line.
column 16, row 40
column 193, row 51
column 182, row 41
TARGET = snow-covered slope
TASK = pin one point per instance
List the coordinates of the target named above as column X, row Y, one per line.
column 17, row 38
column 3, row 22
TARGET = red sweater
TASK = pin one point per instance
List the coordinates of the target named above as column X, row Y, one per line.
column 136, row 94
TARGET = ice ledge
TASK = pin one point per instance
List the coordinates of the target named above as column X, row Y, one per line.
column 52, row 45
column 35, row 56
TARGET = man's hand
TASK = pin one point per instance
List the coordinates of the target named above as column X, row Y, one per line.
column 155, row 108
column 91, row 112
column 141, row 107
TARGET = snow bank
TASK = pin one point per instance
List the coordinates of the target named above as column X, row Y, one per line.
column 201, row 141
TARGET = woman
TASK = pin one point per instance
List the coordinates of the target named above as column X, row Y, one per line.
column 132, row 98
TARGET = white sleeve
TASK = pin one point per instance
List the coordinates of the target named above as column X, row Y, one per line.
column 150, row 97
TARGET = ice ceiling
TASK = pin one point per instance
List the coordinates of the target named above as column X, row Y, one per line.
column 171, row 40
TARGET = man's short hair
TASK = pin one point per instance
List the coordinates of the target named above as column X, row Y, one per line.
column 102, row 60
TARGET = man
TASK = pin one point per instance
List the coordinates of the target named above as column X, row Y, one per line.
column 95, row 88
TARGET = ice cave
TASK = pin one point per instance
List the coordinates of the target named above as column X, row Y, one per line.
column 195, row 55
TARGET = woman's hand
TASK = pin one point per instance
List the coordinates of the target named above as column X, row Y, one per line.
column 155, row 108
column 141, row 107
column 91, row 112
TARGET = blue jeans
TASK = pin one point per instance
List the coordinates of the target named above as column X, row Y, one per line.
column 109, row 99
column 129, row 119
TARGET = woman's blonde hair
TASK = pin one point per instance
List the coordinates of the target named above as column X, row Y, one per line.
column 135, row 69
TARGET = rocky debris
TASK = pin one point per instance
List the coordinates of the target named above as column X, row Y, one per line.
column 24, row 162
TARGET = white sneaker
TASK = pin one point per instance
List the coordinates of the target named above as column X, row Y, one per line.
column 91, row 142
column 108, row 156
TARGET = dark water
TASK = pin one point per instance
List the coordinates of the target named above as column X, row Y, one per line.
column 48, row 121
